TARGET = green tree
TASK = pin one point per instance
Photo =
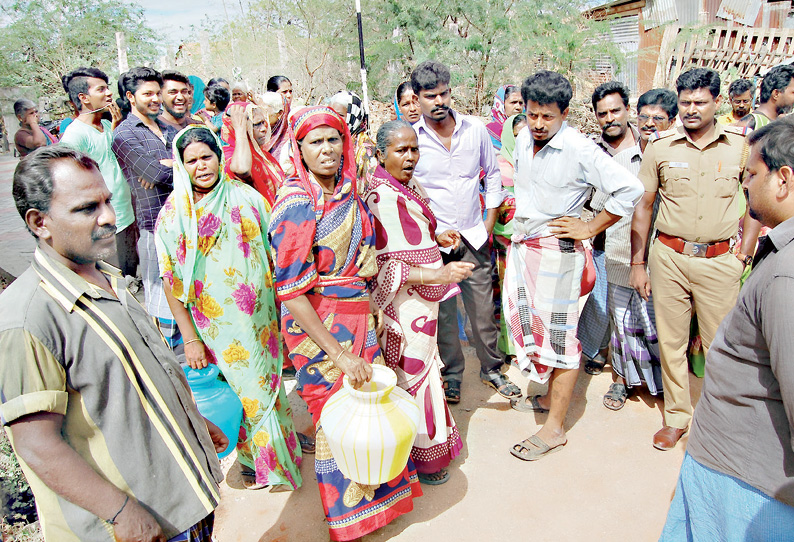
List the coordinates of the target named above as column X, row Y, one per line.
column 44, row 39
column 486, row 43
column 313, row 42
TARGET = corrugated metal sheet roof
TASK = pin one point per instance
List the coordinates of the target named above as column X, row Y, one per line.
column 773, row 14
column 625, row 30
column 741, row 11
column 688, row 11
column 711, row 7
column 657, row 12
column 626, row 35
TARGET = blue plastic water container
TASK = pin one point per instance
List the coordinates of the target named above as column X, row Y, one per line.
column 217, row 402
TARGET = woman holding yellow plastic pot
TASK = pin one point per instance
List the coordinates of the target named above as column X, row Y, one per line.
column 323, row 246
column 411, row 281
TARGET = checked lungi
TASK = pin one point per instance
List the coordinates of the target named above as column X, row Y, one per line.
column 200, row 532
column 541, row 295
column 156, row 302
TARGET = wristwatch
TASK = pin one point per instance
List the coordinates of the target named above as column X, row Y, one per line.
column 746, row 259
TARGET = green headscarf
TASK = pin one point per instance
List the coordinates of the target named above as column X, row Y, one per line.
column 186, row 230
column 508, row 140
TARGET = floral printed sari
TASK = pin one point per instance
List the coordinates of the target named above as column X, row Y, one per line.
column 323, row 248
column 502, row 231
column 406, row 237
column 214, row 255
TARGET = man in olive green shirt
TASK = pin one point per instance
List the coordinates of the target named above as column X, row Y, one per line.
column 97, row 407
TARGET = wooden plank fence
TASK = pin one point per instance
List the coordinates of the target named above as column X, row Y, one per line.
column 751, row 51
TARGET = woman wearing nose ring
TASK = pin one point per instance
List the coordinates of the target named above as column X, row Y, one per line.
column 323, row 246
column 411, row 281
column 212, row 250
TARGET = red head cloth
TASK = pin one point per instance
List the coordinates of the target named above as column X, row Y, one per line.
column 266, row 173
column 306, row 120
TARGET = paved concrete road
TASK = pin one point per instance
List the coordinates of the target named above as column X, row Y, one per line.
column 16, row 243
column 608, row 483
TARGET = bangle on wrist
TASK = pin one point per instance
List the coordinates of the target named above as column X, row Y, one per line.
column 196, row 340
column 112, row 521
column 339, row 356
column 638, row 263
column 421, row 276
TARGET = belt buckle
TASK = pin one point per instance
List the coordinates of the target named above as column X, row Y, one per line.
column 697, row 250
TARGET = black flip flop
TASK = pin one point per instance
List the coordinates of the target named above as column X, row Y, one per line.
column 307, row 443
column 502, row 385
column 430, row 479
column 593, row 367
column 452, row 391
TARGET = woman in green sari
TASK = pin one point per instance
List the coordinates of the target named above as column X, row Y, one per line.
column 213, row 251
column 503, row 228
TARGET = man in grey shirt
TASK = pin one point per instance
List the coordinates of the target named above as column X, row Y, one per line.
column 737, row 478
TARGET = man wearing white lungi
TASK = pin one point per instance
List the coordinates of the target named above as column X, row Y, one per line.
column 556, row 169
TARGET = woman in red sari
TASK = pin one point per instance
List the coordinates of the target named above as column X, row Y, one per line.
column 323, row 244
column 247, row 131
column 277, row 108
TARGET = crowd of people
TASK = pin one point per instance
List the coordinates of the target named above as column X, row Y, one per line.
column 271, row 239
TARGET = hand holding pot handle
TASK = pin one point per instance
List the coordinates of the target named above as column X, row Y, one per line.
column 356, row 368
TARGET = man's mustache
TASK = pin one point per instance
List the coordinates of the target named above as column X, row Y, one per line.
column 103, row 233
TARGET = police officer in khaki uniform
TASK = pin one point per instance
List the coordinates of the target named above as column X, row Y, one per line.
column 695, row 169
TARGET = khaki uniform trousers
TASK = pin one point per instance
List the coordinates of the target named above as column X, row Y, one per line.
column 681, row 284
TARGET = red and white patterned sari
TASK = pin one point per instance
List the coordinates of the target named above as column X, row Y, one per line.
column 405, row 237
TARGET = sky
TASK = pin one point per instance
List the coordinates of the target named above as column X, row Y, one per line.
column 174, row 18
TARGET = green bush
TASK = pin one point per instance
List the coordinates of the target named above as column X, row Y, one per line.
column 16, row 499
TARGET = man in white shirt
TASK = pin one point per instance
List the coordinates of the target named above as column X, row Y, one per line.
column 454, row 149
column 556, row 170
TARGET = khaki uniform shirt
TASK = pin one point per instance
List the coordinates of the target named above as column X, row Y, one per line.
column 698, row 183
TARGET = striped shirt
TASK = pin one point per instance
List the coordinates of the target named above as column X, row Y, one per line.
column 73, row 349
column 139, row 152
column 618, row 236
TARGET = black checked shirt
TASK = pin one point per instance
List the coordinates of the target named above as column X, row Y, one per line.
column 139, row 152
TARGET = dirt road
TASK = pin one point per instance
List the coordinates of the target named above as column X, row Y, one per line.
column 608, row 483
